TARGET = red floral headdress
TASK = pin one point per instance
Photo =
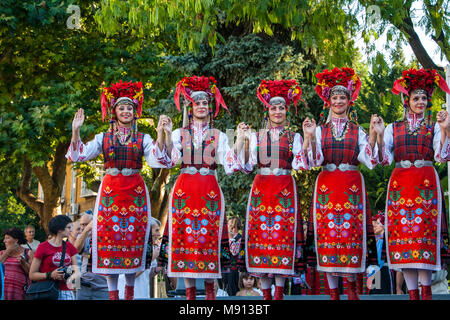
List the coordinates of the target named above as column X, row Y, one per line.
column 132, row 90
column 425, row 79
column 345, row 77
column 188, row 85
column 289, row 90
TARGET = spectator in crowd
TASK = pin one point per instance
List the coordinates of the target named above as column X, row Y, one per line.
column 30, row 233
column 92, row 286
column 142, row 282
column 16, row 261
column 74, row 232
column 47, row 259
column 230, row 279
column 247, row 285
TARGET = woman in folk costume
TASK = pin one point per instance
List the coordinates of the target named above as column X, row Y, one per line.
column 195, row 243
column 122, row 209
column 416, row 223
column 340, row 214
column 273, row 230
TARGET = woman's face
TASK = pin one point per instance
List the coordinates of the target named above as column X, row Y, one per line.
column 339, row 104
column 66, row 232
column 124, row 114
column 418, row 103
column 200, row 109
column 277, row 115
column 10, row 241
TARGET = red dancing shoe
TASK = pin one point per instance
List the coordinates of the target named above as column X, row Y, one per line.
column 414, row 294
column 190, row 293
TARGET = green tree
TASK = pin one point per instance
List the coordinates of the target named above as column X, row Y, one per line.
column 320, row 27
column 48, row 71
column 397, row 19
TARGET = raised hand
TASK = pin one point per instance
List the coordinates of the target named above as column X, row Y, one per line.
column 78, row 120
column 309, row 128
column 166, row 124
column 443, row 120
column 376, row 125
column 242, row 130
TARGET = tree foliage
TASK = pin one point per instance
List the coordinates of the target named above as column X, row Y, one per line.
column 52, row 71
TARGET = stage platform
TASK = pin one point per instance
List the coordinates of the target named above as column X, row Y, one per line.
column 321, row 297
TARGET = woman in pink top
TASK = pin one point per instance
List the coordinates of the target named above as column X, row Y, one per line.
column 17, row 264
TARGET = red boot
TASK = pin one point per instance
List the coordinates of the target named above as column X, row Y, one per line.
column 129, row 292
column 190, row 293
column 352, row 292
column 426, row 293
column 114, row 295
column 210, row 293
column 334, row 294
column 267, row 294
column 278, row 293
column 414, row 294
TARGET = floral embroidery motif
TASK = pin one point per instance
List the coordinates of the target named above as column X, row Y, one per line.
column 412, row 222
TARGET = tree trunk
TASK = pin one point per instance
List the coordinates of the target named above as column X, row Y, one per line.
column 51, row 181
column 407, row 28
column 159, row 196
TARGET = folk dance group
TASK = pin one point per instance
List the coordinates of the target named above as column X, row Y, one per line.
column 195, row 243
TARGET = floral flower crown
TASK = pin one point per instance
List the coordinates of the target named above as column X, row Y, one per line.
column 132, row 90
column 425, row 79
column 289, row 90
column 345, row 77
column 188, row 85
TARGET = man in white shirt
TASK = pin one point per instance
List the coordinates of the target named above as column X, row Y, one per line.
column 29, row 235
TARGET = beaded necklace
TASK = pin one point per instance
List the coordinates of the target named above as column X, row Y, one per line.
column 333, row 131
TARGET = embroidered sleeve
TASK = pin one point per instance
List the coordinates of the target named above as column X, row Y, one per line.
column 388, row 148
column 176, row 147
column 227, row 157
column 318, row 159
column 155, row 158
column 299, row 161
column 79, row 152
column 367, row 154
column 441, row 153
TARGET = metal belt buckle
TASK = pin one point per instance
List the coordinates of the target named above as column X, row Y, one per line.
column 277, row 171
column 265, row 171
column 190, row 170
column 331, row 167
column 419, row 163
column 113, row 171
column 405, row 164
column 344, row 167
column 203, row 171
column 127, row 171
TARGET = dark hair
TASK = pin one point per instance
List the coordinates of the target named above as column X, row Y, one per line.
column 58, row 223
column 16, row 234
column 246, row 275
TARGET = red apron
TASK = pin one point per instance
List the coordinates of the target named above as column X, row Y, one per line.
column 121, row 224
column 413, row 226
column 273, row 226
column 339, row 213
column 195, row 227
